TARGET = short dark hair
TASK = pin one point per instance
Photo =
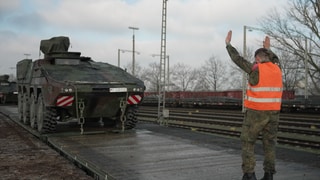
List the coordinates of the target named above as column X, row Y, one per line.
column 261, row 52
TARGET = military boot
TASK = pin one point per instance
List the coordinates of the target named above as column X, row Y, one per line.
column 249, row 176
column 267, row 176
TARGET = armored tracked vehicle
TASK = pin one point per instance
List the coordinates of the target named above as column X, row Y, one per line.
column 65, row 86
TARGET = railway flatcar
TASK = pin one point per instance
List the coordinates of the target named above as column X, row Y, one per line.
column 302, row 104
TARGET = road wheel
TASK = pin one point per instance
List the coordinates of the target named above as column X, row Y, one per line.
column 33, row 105
column 25, row 109
column 46, row 117
column 20, row 104
column 131, row 118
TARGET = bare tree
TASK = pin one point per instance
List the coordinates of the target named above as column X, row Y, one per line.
column 184, row 77
column 290, row 70
column 151, row 76
column 201, row 84
column 235, row 79
column 138, row 69
column 297, row 32
column 213, row 75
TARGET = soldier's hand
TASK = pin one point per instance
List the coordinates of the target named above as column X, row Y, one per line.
column 266, row 42
column 228, row 38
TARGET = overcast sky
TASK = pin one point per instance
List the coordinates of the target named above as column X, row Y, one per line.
column 196, row 29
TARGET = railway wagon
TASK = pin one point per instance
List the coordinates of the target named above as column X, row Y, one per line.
column 206, row 99
column 203, row 94
column 198, row 94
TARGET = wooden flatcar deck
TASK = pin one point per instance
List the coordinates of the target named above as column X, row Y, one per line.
column 153, row 152
column 149, row 155
column 146, row 155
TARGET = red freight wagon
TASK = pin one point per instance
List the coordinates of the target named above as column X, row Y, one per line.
column 203, row 94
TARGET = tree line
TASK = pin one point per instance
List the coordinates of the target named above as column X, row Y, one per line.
column 296, row 40
column 295, row 36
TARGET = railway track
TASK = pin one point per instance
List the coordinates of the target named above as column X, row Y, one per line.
column 302, row 130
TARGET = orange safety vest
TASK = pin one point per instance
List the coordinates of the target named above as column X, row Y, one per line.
column 267, row 94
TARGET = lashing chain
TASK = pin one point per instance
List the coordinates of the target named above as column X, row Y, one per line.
column 81, row 118
column 123, row 118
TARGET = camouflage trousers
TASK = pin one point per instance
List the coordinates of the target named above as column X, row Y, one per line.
column 255, row 123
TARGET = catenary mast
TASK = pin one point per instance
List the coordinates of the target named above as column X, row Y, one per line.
column 162, row 79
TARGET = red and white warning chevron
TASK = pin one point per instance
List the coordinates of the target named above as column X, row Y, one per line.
column 134, row 99
column 65, row 101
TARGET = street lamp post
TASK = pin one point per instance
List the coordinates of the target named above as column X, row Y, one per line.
column 27, row 55
column 244, row 75
column 133, row 48
column 118, row 57
column 123, row 51
column 168, row 73
column 245, row 56
column 306, row 69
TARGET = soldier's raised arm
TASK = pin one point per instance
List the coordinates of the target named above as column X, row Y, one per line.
column 266, row 42
column 235, row 56
column 228, row 38
column 273, row 57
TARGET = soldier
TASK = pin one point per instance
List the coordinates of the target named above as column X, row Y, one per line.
column 262, row 104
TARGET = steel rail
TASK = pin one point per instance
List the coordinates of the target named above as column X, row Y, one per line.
column 296, row 133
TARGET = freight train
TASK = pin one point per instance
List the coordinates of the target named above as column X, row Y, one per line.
column 231, row 99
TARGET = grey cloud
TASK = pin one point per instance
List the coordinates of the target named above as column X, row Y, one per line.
column 25, row 22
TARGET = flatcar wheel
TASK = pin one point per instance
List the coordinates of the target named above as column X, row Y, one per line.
column 25, row 109
column 33, row 121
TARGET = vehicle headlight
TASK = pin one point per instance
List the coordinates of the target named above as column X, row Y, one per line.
column 137, row 89
column 66, row 90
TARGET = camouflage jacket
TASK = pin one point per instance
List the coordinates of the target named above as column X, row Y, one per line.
column 247, row 66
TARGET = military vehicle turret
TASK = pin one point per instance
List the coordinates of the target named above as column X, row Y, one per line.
column 8, row 90
column 65, row 86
